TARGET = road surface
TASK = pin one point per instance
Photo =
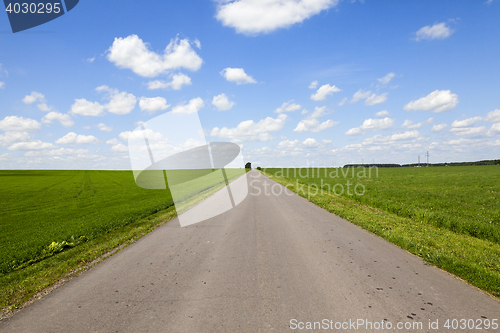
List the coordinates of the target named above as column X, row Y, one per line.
column 274, row 263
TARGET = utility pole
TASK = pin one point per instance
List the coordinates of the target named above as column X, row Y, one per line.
column 427, row 158
column 419, row 161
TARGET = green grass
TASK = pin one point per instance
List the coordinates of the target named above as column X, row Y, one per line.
column 55, row 222
column 449, row 216
column 44, row 212
column 460, row 199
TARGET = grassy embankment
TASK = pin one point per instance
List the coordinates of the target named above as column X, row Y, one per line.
column 449, row 216
column 54, row 223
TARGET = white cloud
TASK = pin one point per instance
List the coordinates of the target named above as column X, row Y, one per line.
column 31, row 145
column 407, row 123
column 43, row 107
column 120, row 147
column 120, row 102
column 354, row 131
column 410, row 125
column 437, row 31
column 2, row 85
column 158, row 84
column 15, row 123
column 139, row 135
column 493, row 116
column 178, row 80
column 376, row 99
column 132, row 53
column 382, row 113
column 56, row 152
column 91, row 60
column 89, row 156
column 326, row 141
column 318, row 112
column 439, row 127
column 436, row 101
column 289, row 106
column 495, row 128
column 13, row 136
column 103, row 127
column 360, row 94
column 466, row 122
column 252, row 17
column 311, row 123
column 461, row 141
column 33, row 97
column 386, row 79
column 37, row 97
column 191, row 143
column 64, row 119
column 470, row 131
column 324, row 91
column 288, row 144
column 310, row 142
column 112, row 142
column 370, row 98
column 250, row 131
column 371, row 125
column 85, row 108
column 74, row 139
column 192, row 106
column 343, row 101
column 237, row 75
column 313, row 85
column 153, row 104
column 378, row 139
column 222, row 103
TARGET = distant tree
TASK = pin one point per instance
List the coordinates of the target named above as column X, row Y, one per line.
column 259, row 168
column 248, row 165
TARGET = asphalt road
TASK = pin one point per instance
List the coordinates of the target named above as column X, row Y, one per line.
column 256, row 268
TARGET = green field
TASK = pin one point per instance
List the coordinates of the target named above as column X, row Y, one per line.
column 464, row 200
column 55, row 222
column 45, row 212
column 449, row 216
column 68, row 208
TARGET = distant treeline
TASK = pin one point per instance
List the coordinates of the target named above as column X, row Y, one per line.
column 485, row 162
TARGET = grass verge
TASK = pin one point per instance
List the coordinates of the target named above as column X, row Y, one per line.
column 474, row 260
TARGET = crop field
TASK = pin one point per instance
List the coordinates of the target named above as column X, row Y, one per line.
column 464, row 200
column 44, row 212
column 448, row 216
column 67, row 208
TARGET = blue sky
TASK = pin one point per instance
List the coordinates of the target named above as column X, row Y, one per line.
column 294, row 83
